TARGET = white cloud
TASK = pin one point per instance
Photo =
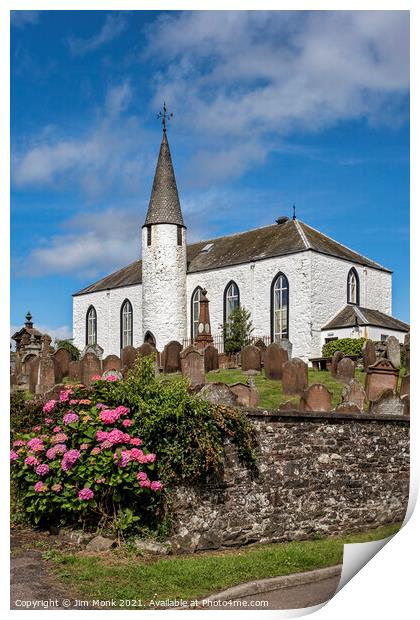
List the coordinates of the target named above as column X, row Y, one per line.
column 114, row 25
column 20, row 19
column 253, row 77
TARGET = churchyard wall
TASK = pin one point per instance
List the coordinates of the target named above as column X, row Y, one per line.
column 317, row 474
column 329, row 292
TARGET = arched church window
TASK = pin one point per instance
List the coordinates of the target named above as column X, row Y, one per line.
column 195, row 311
column 231, row 300
column 353, row 293
column 126, row 321
column 91, row 326
column 279, row 308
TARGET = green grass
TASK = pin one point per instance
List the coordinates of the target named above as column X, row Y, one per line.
column 134, row 577
column 271, row 392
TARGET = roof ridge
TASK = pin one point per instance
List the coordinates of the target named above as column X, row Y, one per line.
column 302, row 234
column 345, row 246
column 242, row 232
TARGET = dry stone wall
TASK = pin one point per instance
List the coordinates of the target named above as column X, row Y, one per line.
column 316, row 474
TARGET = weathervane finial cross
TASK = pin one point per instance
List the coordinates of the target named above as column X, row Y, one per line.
column 165, row 116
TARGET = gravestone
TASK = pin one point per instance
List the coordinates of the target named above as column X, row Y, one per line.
column 111, row 362
column 247, row 395
column 382, row 375
column 368, row 354
column 90, row 366
column 407, row 351
column 251, row 358
column 295, row 376
column 285, row 344
column 406, row 402
column 46, row 369
column 112, row 373
column 192, row 365
column 75, row 371
column 336, row 358
column 405, row 385
column 62, row 360
column 393, row 351
column 170, row 355
column 147, row 349
column 275, row 358
column 316, row 398
column 33, row 374
column 347, row 406
column 211, row 358
column 387, row 403
column 218, row 394
column 345, row 370
column 261, row 345
column 93, row 348
column 128, row 357
column 354, row 393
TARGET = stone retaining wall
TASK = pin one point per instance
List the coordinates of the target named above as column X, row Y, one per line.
column 316, row 474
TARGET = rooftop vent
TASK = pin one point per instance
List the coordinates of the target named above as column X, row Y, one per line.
column 207, row 247
column 282, row 220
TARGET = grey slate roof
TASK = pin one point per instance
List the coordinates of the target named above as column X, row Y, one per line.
column 290, row 237
column 365, row 316
column 164, row 206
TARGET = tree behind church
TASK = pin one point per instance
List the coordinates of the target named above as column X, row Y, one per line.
column 237, row 330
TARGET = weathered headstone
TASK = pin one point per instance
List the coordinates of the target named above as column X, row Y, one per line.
column 387, row 403
column 33, row 374
column 345, row 370
column 405, row 385
column 406, row 402
column 75, row 371
column 218, row 394
column 274, row 359
column 336, row 358
column 211, row 358
column 90, row 367
column 295, row 376
column 407, row 352
column 285, row 344
column 247, row 395
column 393, row 351
column 316, row 398
column 192, row 365
column 147, row 349
column 128, row 357
column 354, row 393
column 251, row 358
column 170, row 356
column 347, row 406
column 111, row 362
column 382, row 375
column 368, row 354
column 261, row 345
column 46, row 370
column 62, row 360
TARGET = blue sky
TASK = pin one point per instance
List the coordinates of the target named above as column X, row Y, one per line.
column 270, row 109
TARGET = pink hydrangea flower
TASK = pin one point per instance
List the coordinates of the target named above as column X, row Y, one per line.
column 156, row 485
column 58, row 449
column 40, row 487
column 49, row 420
column 145, row 483
column 56, row 429
column 135, row 441
column 84, row 401
column 150, row 458
column 31, row 461
column 112, row 378
column 109, row 416
column 35, row 444
column 84, row 446
column 13, row 456
column 65, row 395
column 86, row 494
column 58, row 438
column 70, row 417
column 127, row 422
column 18, row 443
column 100, row 406
column 141, row 475
column 124, row 458
column 121, row 410
column 96, row 378
column 100, row 480
column 73, row 401
column 69, row 459
column 95, row 450
column 37, row 428
column 56, row 488
column 49, row 406
column 42, row 470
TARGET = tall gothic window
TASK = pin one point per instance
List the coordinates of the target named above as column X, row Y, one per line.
column 91, row 326
column 126, row 324
column 279, row 308
column 195, row 311
column 353, row 294
column 231, row 300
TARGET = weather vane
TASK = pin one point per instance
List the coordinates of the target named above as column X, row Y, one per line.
column 165, row 116
column 294, row 212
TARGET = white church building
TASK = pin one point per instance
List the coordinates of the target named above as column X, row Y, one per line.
column 297, row 283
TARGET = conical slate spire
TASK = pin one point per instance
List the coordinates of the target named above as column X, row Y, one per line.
column 164, row 206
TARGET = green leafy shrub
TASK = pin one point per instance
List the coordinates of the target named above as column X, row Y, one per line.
column 24, row 413
column 349, row 346
column 237, row 330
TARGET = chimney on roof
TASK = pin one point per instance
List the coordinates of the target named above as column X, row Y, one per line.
column 282, row 220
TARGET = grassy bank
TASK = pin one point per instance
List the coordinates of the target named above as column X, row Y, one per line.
column 127, row 575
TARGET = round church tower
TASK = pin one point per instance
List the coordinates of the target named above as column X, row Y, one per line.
column 164, row 258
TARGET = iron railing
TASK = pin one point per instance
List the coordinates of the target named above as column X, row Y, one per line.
column 219, row 342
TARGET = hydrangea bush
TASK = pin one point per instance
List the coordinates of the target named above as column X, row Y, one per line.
column 84, row 462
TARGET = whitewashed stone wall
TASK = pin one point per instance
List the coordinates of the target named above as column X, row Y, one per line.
column 108, row 307
column 367, row 331
column 329, row 292
column 164, row 265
